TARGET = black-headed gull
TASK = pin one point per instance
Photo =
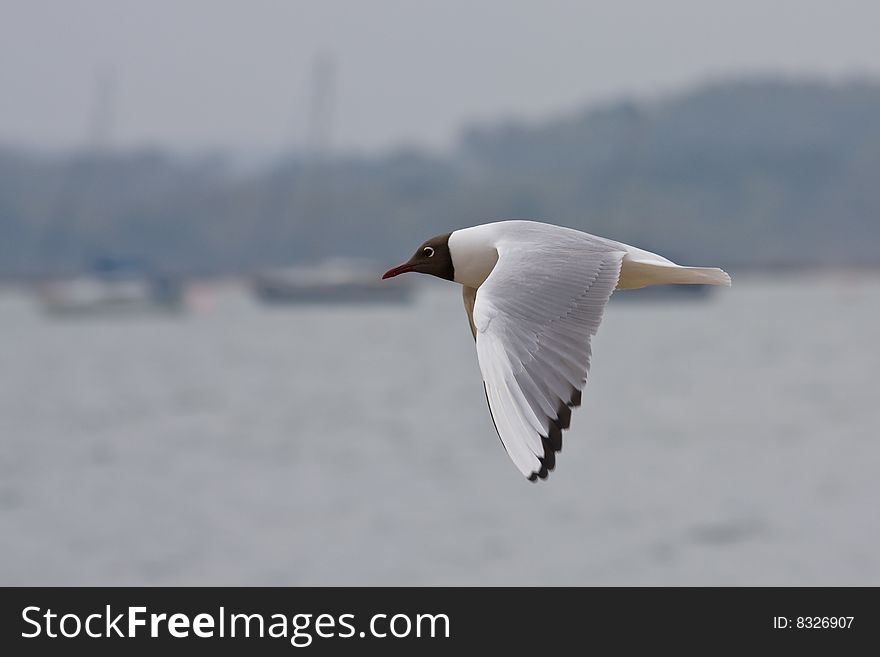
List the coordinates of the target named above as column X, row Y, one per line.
column 534, row 295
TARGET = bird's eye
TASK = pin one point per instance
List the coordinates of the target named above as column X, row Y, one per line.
column 428, row 251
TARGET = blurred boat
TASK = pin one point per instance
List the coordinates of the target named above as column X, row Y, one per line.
column 331, row 282
column 112, row 287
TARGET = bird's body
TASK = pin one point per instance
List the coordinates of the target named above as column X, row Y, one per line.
column 474, row 252
column 534, row 294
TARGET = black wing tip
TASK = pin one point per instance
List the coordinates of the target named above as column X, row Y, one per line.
column 562, row 421
column 563, row 417
column 563, row 413
column 540, row 474
column 552, row 442
column 548, row 461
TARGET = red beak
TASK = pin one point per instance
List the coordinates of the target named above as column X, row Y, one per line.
column 402, row 269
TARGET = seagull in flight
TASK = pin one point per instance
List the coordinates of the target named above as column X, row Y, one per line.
column 534, row 295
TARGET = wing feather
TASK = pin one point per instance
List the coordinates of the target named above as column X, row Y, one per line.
column 533, row 318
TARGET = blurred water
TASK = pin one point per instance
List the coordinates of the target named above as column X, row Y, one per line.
column 727, row 442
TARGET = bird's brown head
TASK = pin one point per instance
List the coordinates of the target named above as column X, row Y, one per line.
column 432, row 258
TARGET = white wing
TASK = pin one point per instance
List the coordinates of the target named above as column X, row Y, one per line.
column 534, row 317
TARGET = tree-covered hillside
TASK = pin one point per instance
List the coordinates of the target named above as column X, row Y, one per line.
column 738, row 174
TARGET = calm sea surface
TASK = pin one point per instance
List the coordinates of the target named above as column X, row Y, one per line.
column 732, row 441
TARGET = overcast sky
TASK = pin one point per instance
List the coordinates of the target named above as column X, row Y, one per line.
column 194, row 74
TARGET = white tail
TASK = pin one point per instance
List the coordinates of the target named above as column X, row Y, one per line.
column 635, row 274
column 698, row 276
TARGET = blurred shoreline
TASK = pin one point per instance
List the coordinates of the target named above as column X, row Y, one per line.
column 748, row 173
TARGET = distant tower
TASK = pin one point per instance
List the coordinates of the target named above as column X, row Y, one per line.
column 102, row 113
column 322, row 99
